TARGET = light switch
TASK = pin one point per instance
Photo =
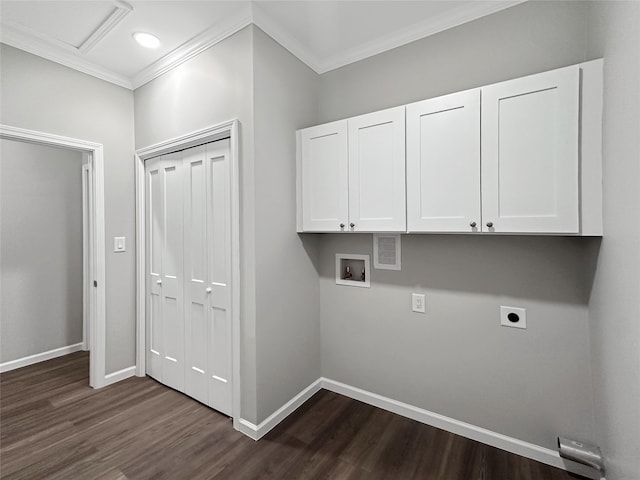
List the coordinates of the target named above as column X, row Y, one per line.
column 417, row 302
column 119, row 244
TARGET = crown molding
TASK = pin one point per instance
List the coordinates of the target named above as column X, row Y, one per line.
column 118, row 14
column 58, row 52
column 280, row 35
column 451, row 19
column 193, row 47
column 69, row 56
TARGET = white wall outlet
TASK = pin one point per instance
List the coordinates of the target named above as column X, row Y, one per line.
column 513, row 317
column 119, row 244
column 417, row 302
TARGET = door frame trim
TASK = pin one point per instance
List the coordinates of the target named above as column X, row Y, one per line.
column 97, row 354
column 86, row 261
column 209, row 134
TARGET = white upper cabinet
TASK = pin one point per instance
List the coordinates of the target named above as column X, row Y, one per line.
column 530, row 140
column 377, row 172
column 325, row 174
column 518, row 157
column 351, row 174
column 443, row 164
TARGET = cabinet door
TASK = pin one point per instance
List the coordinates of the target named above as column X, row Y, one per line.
column 377, row 172
column 324, row 177
column 530, row 154
column 443, row 164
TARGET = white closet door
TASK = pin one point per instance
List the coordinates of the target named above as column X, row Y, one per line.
column 165, row 321
column 207, row 270
column 530, row 153
column 218, row 212
column 324, row 177
column 195, row 274
column 377, row 172
column 154, row 236
column 189, row 269
column 443, row 164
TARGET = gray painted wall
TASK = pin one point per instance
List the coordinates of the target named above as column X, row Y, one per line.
column 614, row 309
column 287, row 290
column 456, row 360
column 525, row 39
column 41, row 95
column 250, row 77
column 211, row 88
column 40, row 249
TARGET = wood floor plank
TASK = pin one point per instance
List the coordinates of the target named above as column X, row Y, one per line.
column 55, row 427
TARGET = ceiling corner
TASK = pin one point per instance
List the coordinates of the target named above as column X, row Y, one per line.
column 266, row 23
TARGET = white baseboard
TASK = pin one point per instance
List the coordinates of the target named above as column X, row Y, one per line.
column 467, row 430
column 39, row 357
column 118, row 376
column 258, row 431
column 246, row 427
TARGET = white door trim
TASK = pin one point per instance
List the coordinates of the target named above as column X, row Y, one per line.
column 86, row 250
column 97, row 355
column 210, row 134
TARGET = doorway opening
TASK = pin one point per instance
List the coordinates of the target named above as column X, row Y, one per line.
column 93, row 294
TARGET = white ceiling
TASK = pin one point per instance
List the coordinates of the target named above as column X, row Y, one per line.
column 96, row 36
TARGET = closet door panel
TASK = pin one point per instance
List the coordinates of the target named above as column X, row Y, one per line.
column 219, row 272
column 189, row 262
column 218, row 222
column 195, row 272
column 154, row 239
column 172, row 275
column 443, row 164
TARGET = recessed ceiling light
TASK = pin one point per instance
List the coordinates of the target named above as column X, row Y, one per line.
column 147, row 40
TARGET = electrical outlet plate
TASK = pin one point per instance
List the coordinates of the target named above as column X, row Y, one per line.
column 513, row 317
column 418, row 302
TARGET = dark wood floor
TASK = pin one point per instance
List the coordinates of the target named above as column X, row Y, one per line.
column 55, row 427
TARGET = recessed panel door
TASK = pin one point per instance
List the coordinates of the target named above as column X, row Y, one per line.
column 189, row 272
column 377, row 171
column 207, row 265
column 165, row 310
column 443, row 164
column 218, row 290
column 172, row 274
column 195, row 274
column 325, row 177
column 530, row 154
column 154, row 229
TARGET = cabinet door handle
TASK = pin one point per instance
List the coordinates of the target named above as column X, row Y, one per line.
column 473, row 224
column 342, row 225
column 159, row 282
column 352, row 224
column 208, row 290
column 489, row 224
